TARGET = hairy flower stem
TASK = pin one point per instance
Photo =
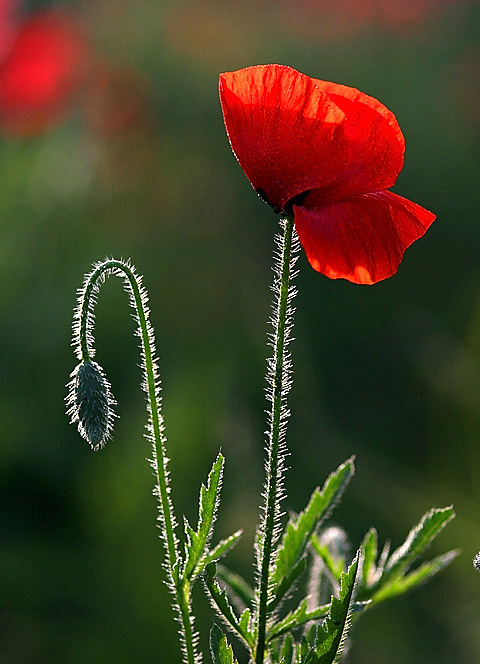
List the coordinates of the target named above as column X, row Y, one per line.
column 279, row 384
column 156, row 435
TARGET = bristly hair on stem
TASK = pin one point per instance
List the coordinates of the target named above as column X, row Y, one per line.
column 90, row 405
column 279, row 380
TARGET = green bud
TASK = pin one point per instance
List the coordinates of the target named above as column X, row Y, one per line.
column 90, row 403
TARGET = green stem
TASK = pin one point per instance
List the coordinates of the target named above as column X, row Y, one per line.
column 279, row 388
column 156, row 426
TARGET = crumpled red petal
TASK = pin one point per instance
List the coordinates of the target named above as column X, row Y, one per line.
column 361, row 239
column 291, row 133
column 376, row 142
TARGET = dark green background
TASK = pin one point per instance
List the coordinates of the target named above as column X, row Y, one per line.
column 390, row 373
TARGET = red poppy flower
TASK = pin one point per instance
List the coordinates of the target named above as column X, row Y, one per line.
column 325, row 153
column 41, row 72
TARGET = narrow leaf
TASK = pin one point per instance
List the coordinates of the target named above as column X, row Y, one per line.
column 218, row 551
column 198, row 540
column 417, row 540
column 221, row 650
column 300, row 528
column 403, row 584
column 224, row 609
column 332, row 635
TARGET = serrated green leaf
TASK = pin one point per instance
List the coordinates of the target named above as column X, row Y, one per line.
column 220, row 649
column 224, row 608
column 332, row 634
column 300, row 528
column 403, row 584
column 295, row 618
column 239, row 590
column 218, row 551
column 198, row 540
column 323, row 644
column 417, row 541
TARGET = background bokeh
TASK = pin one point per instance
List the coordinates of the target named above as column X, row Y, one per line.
column 137, row 165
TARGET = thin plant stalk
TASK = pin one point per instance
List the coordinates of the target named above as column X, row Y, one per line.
column 278, row 378
column 84, row 344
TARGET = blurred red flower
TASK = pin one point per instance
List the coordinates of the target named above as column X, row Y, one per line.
column 41, row 72
column 325, row 153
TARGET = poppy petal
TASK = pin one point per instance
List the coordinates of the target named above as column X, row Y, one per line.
column 361, row 239
column 280, row 127
column 375, row 143
column 344, row 91
column 292, row 133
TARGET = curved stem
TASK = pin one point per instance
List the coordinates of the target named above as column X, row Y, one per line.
column 279, row 377
column 83, row 340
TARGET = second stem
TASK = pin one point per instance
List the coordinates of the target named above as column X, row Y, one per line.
column 279, row 377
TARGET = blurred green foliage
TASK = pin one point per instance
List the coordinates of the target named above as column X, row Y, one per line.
column 391, row 373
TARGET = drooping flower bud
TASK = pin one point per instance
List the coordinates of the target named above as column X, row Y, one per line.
column 90, row 403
